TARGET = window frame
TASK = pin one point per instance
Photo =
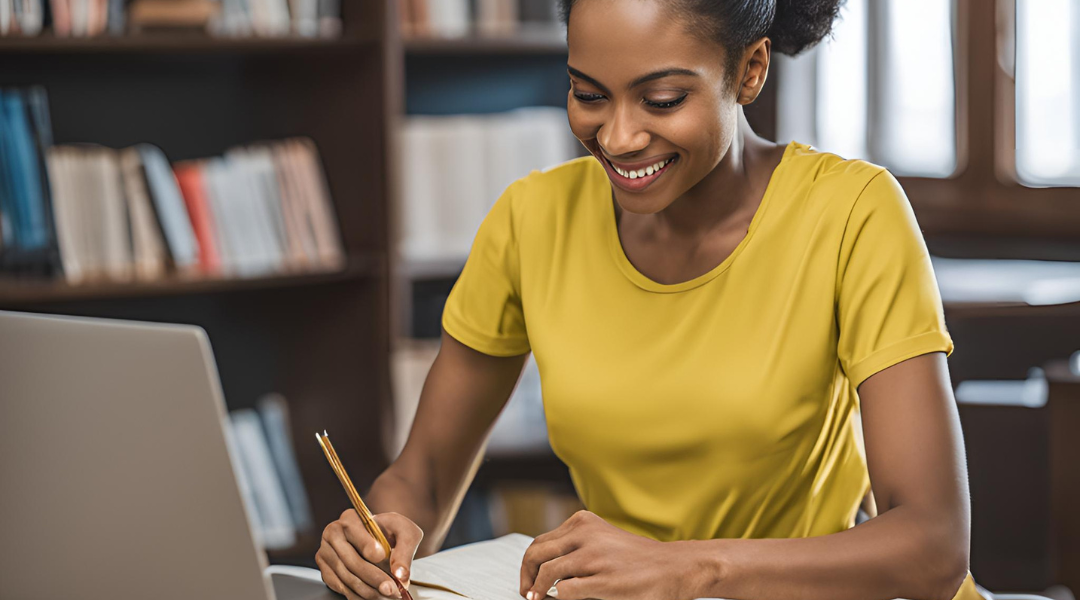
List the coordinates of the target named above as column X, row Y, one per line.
column 984, row 197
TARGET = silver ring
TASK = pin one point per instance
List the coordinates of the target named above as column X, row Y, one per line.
column 554, row 591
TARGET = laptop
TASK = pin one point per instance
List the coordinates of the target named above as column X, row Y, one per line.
column 115, row 478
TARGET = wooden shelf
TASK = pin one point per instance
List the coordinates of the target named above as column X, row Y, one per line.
column 15, row 293
column 178, row 43
column 540, row 41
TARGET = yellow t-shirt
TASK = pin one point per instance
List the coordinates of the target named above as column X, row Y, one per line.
column 723, row 406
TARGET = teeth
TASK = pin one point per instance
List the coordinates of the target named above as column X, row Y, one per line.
column 649, row 170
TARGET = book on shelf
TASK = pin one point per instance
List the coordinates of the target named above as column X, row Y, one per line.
column 265, row 467
column 28, row 242
column 453, row 168
column 459, row 18
column 520, row 430
column 233, row 18
column 90, row 213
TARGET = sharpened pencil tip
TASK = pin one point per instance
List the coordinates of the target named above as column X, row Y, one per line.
column 325, row 434
column 317, row 436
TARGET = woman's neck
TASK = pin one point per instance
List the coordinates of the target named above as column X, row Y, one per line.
column 730, row 192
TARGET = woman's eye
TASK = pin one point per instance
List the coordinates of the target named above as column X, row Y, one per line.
column 666, row 103
column 586, row 97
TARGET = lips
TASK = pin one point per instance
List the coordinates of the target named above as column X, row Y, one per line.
column 637, row 184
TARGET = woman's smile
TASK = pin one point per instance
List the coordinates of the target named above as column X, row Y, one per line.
column 635, row 177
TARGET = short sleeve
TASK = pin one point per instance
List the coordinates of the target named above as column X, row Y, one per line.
column 484, row 309
column 888, row 303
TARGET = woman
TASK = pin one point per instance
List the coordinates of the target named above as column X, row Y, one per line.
column 708, row 311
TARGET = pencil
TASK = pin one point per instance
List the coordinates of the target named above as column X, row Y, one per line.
column 366, row 517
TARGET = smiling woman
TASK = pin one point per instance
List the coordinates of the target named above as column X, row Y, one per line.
column 713, row 315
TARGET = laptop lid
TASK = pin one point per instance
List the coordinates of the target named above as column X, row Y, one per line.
column 115, row 479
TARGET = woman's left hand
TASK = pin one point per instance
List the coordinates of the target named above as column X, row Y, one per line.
column 591, row 558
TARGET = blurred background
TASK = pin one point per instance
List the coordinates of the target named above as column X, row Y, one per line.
column 303, row 179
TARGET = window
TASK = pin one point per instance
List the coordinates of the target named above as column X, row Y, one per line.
column 1048, row 92
column 869, row 87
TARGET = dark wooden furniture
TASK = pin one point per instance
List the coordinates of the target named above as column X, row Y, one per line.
column 322, row 340
column 1019, row 456
column 1063, row 415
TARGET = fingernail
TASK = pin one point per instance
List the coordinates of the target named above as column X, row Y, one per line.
column 385, row 589
column 400, row 573
column 531, row 595
column 553, row 592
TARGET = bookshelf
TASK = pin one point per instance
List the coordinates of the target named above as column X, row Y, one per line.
column 181, row 43
column 321, row 339
column 15, row 295
column 539, row 40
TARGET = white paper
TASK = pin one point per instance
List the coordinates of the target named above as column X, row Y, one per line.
column 483, row 571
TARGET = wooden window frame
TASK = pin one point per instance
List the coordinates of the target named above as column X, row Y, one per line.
column 984, row 197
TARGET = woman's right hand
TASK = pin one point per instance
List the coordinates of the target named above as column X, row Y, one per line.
column 348, row 555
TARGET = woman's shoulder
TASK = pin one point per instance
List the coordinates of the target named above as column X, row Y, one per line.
column 822, row 168
column 832, row 182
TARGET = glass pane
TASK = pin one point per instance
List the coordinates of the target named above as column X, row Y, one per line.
column 1047, row 98
column 842, row 85
column 915, row 131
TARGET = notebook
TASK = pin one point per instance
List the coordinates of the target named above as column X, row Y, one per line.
column 482, row 571
column 488, row 570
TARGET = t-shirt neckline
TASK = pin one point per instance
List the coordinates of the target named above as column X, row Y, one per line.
column 644, row 282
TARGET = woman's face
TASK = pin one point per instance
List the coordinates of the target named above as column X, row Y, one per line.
column 645, row 91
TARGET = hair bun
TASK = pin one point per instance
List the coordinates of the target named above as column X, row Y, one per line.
column 800, row 24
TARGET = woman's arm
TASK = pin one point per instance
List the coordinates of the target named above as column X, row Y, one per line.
column 462, row 395
column 917, row 547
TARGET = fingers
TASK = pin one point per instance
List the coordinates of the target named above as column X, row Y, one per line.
column 359, row 537
column 562, row 569
column 370, row 575
column 331, row 580
column 340, row 542
column 579, row 588
column 351, row 555
column 405, row 537
column 539, row 554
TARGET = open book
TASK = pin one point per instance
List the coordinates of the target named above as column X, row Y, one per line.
column 488, row 570
column 482, row 571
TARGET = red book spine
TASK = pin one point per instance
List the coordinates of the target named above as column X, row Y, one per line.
column 202, row 220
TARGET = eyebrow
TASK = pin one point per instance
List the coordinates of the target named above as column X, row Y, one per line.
column 633, row 84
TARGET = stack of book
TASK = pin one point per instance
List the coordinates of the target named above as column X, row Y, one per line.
column 128, row 214
column 267, row 473
column 453, row 168
column 89, row 18
column 457, row 18
column 93, row 213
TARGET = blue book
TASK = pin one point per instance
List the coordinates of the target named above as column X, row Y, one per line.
column 31, row 230
column 37, row 105
column 7, row 192
column 169, row 205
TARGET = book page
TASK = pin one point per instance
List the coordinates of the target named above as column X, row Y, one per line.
column 488, row 570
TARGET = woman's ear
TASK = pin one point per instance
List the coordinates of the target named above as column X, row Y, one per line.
column 755, row 64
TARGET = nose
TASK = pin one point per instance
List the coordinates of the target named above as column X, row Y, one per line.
column 622, row 134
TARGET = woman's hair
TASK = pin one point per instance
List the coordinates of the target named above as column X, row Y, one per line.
column 792, row 25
